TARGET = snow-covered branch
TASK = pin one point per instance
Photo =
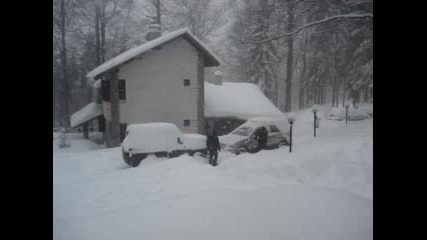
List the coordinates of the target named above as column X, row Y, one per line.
column 323, row 21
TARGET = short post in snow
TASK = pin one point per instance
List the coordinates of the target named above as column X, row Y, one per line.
column 291, row 120
column 346, row 112
column 315, row 120
column 63, row 139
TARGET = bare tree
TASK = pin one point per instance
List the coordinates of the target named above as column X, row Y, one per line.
column 202, row 17
column 63, row 12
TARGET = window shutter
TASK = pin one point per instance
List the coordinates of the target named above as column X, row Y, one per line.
column 105, row 88
column 122, row 90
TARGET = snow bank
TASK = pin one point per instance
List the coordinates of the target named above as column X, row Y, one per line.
column 322, row 190
column 241, row 100
column 76, row 142
column 354, row 114
column 368, row 108
column 89, row 112
column 280, row 212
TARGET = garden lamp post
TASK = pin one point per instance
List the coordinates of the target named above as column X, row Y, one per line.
column 291, row 120
column 315, row 120
column 346, row 112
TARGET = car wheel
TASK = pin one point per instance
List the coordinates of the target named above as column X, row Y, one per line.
column 135, row 161
column 242, row 150
column 283, row 144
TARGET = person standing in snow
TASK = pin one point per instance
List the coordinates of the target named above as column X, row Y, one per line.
column 213, row 146
column 263, row 135
column 260, row 135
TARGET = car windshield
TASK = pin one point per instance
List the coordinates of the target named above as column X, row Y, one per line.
column 243, row 131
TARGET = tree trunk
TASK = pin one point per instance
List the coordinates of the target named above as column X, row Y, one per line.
column 302, row 77
column 366, row 95
column 97, row 36
column 301, row 98
column 103, row 26
column 158, row 11
column 334, row 83
column 344, row 92
column 65, row 85
column 324, row 92
column 289, row 62
column 85, row 130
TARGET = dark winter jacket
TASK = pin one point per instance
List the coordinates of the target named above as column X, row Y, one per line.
column 263, row 135
column 213, row 143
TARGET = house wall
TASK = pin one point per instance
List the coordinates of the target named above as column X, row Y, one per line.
column 155, row 90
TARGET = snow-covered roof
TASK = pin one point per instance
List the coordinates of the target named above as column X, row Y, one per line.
column 97, row 83
column 210, row 60
column 89, row 112
column 240, row 100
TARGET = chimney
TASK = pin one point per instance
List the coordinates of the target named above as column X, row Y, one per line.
column 154, row 30
column 218, row 78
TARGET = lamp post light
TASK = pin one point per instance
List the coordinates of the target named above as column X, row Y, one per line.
column 346, row 112
column 291, row 120
column 315, row 120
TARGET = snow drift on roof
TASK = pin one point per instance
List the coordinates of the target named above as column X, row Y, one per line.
column 89, row 112
column 148, row 46
column 241, row 100
column 97, row 83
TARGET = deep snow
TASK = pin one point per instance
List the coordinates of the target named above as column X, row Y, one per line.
column 322, row 190
column 241, row 100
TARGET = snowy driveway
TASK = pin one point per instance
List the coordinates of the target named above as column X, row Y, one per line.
column 322, row 190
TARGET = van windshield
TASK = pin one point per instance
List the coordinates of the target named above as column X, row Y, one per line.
column 243, row 131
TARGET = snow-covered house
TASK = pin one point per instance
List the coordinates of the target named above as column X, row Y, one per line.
column 159, row 81
column 229, row 104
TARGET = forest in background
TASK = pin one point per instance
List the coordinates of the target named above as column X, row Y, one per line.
column 300, row 52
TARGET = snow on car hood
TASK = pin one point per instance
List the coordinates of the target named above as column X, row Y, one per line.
column 231, row 139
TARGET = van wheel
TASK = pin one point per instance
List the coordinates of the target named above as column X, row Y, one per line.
column 242, row 150
column 283, row 144
column 136, row 162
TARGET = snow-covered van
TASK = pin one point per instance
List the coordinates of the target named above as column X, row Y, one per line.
column 243, row 138
column 159, row 139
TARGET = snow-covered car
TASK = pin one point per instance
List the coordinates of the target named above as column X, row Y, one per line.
column 243, row 140
column 159, row 139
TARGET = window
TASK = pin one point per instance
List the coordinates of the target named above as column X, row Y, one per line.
column 105, row 89
column 186, row 123
column 122, row 90
column 186, row 82
column 243, row 131
column 274, row 129
column 101, row 124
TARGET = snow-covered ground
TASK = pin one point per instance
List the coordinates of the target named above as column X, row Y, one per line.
column 322, row 190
